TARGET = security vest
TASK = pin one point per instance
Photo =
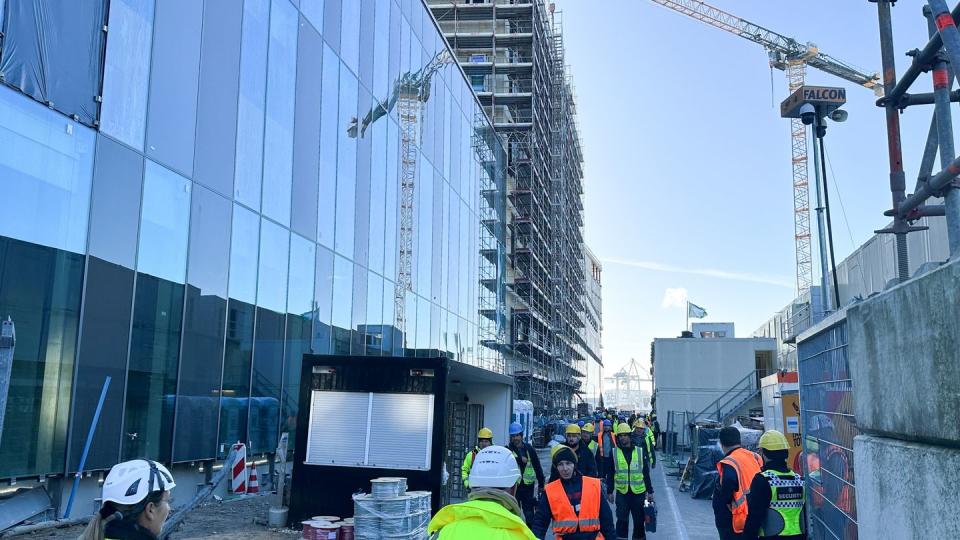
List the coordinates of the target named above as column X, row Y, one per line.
column 786, row 504
column 746, row 464
column 628, row 477
column 600, row 437
column 467, row 466
column 529, row 476
column 565, row 519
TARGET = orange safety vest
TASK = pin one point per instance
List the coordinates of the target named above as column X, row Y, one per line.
column 613, row 439
column 565, row 519
column 747, row 464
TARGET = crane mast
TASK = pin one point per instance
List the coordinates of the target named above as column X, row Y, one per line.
column 792, row 57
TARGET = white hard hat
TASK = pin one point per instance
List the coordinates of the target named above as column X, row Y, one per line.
column 131, row 481
column 494, row 466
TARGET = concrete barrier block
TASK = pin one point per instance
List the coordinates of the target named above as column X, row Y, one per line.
column 904, row 489
column 904, row 354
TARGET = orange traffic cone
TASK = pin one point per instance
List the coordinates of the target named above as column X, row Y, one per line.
column 253, row 485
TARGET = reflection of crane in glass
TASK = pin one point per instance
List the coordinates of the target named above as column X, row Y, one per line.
column 410, row 91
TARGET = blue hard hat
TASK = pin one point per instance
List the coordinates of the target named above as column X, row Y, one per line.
column 580, row 423
column 516, row 428
column 607, row 423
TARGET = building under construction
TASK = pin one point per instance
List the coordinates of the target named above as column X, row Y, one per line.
column 513, row 54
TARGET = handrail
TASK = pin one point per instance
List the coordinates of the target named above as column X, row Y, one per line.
column 752, row 381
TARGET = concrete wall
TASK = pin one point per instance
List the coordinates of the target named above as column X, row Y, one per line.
column 497, row 400
column 905, row 363
column 688, row 374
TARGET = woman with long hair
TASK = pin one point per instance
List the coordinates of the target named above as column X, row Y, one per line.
column 136, row 502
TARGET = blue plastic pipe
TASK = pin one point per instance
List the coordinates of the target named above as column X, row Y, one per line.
column 86, row 447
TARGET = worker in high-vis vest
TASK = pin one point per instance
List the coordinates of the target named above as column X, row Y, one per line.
column 586, row 436
column 606, row 444
column 531, row 473
column 643, row 437
column 484, row 439
column 491, row 512
column 629, row 481
column 775, row 500
column 573, row 503
column 736, row 470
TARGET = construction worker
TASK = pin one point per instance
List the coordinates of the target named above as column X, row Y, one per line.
column 630, row 478
column 586, row 437
column 491, row 511
column 586, row 463
column 136, row 502
column 531, row 473
column 573, row 502
column 657, row 442
column 484, row 439
column 775, row 500
column 606, row 443
column 736, row 469
column 642, row 437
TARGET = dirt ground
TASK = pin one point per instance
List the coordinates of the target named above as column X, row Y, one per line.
column 213, row 520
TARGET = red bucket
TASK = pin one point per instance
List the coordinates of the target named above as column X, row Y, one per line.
column 346, row 531
column 307, row 530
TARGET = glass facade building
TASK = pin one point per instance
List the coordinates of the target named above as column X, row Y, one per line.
column 236, row 198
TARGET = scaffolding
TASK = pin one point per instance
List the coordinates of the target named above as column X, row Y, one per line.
column 513, row 56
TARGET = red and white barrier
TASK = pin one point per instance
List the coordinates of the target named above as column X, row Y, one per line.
column 239, row 469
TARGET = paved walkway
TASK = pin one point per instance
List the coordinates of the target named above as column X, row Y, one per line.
column 679, row 517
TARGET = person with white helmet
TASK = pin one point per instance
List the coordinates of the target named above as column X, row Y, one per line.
column 491, row 511
column 136, row 502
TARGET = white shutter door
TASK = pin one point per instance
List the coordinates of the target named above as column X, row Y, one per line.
column 338, row 428
column 401, row 436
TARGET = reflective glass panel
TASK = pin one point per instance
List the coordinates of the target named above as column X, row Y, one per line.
column 306, row 145
column 126, row 75
column 174, row 75
column 313, row 11
column 198, row 395
column 299, row 325
column 46, row 166
column 40, row 291
column 278, row 127
column 250, row 111
column 350, row 33
column 272, row 279
column 342, row 304
column 346, row 164
column 244, row 254
column 323, row 299
column 329, row 135
column 163, row 224
column 115, row 203
column 219, row 87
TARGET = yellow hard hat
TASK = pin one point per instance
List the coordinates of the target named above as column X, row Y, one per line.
column 572, row 429
column 638, row 423
column 588, row 427
column 773, row 440
column 623, row 429
column 485, row 433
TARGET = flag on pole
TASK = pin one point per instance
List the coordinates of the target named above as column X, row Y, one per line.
column 695, row 311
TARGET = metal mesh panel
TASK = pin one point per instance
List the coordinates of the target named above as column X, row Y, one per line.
column 829, row 426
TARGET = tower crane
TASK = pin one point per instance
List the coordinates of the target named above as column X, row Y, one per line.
column 410, row 92
column 792, row 57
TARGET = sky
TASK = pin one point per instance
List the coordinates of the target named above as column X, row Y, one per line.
column 687, row 169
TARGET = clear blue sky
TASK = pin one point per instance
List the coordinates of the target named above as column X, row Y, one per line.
column 687, row 163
